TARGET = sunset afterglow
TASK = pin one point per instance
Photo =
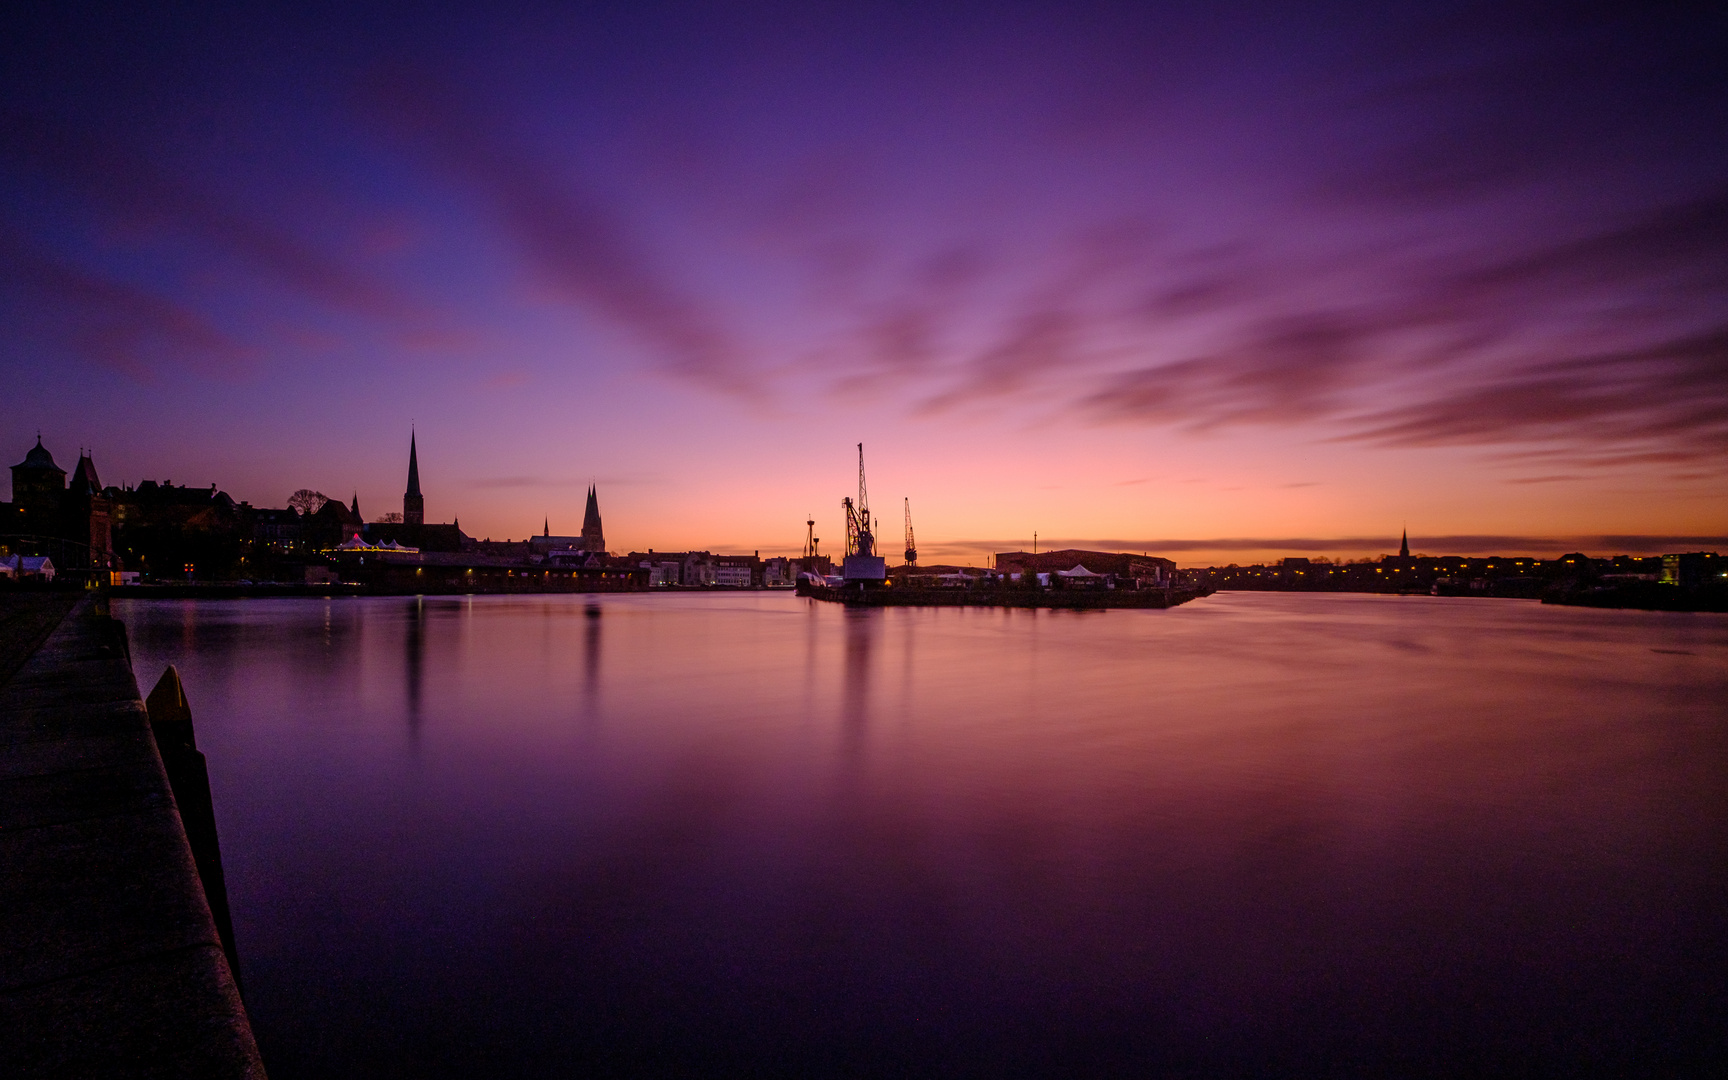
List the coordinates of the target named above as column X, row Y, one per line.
column 1227, row 285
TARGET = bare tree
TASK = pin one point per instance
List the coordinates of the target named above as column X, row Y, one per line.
column 394, row 517
column 307, row 501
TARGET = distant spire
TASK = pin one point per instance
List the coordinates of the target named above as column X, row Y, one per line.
column 413, row 466
column 593, row 538
column 1404, row 546
column 355, row 509
column 548, row 528
column 413, row 506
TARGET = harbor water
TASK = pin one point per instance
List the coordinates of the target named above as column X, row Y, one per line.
column 751, row 834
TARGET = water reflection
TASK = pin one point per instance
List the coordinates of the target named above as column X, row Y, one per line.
column 414, row 664
column 591, row 657
column 863, row 628
column 1259, row 835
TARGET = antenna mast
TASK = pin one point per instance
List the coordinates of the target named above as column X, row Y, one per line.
column 810, row 540
column 911, row 545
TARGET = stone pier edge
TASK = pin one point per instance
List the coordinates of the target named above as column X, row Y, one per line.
column 110, row 962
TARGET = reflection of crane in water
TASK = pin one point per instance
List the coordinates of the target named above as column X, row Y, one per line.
column 862, row 563
column 911, row 544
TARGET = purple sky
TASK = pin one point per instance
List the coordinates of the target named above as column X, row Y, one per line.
column 1227, row 285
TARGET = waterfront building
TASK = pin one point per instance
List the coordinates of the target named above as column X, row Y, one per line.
column 1694, row 569
column 331, row 525
column 737, row 571
column 593, row 536
column 26, row 567
column 161, row 527
column 698, row 568
column 279, row 532
column 38, row 489
column 1149, row 568
column 664, row 567
column 413, row 530
column 75, row 522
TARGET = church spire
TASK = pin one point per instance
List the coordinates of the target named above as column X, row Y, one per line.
column 593, row 537
column 413, row 506
column 1404, row 546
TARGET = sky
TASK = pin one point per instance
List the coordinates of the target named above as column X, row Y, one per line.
column 1219, row 282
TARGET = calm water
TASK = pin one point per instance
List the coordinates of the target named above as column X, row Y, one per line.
column 707, row 835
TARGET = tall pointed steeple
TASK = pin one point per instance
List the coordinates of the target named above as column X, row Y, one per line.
column 1404, row 546
column 413, row 506
column 547, row 531
column 593, row 537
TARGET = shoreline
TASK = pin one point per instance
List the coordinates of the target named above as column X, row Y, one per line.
column 1074, row 600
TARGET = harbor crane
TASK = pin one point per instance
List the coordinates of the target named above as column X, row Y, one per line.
column 911, row 545
column 859, row 538
column 862, row 563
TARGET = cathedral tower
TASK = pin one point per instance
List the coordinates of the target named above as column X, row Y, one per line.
column 413, row 506
column 593, row 538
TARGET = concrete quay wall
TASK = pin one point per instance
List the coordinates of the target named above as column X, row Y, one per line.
column 110, row 962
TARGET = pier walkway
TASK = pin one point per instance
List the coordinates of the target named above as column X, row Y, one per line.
column 110, row 962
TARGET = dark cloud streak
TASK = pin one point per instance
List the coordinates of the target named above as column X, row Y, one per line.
column 575, row 244
column 133, row 193
column 113, row 323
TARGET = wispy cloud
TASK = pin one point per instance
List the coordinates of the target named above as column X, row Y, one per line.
column 1668, row 398
column 110, row 322
column 134, row 195
column 575, row 244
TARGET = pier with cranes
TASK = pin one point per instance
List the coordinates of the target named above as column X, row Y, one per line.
column 865, row 580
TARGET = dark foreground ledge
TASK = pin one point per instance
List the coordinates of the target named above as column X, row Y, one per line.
column 110, row 962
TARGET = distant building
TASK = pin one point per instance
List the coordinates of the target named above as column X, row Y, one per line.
column 413, row 531
column 331, row 525
column 1122, row 564
column 278, row 531
column 664, row 567
column 592, row 541
column 161, row 528
column 88, row 514
column 593, row 536
column 1694, row 569
column 738, row 571
column 38, row 491
column 413, row 506
column 72, row 523
column 698, row 568
column 23, row 567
